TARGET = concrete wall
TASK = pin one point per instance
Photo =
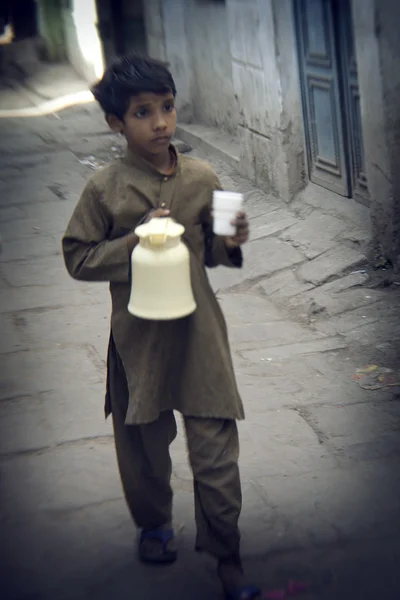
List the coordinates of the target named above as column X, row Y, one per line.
column 208, row 35
column 235, row 67
column 154, row 18
column 179, row 57
column 378, row 58
column 388, row 15
column 193, row 36
column 267, row 90
column 83, row 44
column 166, row 41
column 291, row 122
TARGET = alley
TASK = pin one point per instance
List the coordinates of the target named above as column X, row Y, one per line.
column 319, row 454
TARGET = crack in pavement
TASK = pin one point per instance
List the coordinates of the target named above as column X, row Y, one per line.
column 105, row 438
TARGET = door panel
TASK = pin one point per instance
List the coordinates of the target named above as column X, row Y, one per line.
column 321, row 95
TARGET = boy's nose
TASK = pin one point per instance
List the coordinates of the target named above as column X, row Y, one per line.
column 160, row 123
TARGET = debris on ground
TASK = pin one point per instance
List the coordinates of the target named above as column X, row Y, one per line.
column 92, row 162
column 374, row 377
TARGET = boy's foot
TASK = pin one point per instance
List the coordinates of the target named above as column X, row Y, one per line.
column 158, row 546
column 233, row 582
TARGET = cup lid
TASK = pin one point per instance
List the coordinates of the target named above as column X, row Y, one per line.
column 227, row 195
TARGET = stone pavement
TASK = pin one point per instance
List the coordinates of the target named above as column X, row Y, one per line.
column 319, row 454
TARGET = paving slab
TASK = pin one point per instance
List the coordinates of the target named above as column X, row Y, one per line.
column 26, row 373
column 41, row 329
column 42, row 167
column 368, row 423
column 52, row 216
column 285, row 367
column 376, row 335
column 10, row 213
column 339, row 296
column 287, row 444
column 260, row 396
column 261, row 258
column 256, row 202
column 342, row 284
column 335, row 304
column 283, row 285
column 33, row 246
column 42, row 271
column 315, row 234
column 15, row 231
column 10, row 340
column 247, row 308
column 314, row 196
column 70, row 476
column 371, row 323
column 360, row 235
column 332, row 263
column 15, row 194
column 271, row 224
column 278, row 333
column 46, row 420
column 264, row 353
column 37, row 298
column 359, row 502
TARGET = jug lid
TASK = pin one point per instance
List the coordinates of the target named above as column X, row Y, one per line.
column 164, row 226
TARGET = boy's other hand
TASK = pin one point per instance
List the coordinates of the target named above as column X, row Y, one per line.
column 242, row 231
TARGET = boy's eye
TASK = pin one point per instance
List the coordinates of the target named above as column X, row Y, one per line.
column 169, row 107
column 141, row 113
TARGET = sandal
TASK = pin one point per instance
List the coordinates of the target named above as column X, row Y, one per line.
column 163, row 536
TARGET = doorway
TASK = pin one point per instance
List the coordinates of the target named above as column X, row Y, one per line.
column 330, row 96
column 121, row 26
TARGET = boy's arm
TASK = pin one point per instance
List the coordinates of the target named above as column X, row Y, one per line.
column 88, row 254
column 216, row 250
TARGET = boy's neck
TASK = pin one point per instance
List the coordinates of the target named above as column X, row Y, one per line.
column 163, row 162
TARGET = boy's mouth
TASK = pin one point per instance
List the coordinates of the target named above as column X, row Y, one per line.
column 162, row 139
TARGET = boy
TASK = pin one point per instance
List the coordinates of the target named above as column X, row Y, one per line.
column 154, row 368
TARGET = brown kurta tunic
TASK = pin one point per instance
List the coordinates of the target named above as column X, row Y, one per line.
column 185, row 364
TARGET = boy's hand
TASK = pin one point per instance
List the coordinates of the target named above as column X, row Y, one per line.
column 156, row 214
column 242, row 231
column 132, row 239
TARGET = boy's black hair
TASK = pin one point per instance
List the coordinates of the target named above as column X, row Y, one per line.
column 129, row 76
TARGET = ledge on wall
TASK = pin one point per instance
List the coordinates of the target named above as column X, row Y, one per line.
column 210, row 140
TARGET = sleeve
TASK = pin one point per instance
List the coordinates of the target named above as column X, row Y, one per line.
column 216, row 251
column 88, row 254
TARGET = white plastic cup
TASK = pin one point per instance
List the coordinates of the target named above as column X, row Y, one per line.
column 226, row 205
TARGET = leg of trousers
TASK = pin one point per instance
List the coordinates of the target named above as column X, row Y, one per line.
column 145, row 468
column 143, row 458
column 213, row 446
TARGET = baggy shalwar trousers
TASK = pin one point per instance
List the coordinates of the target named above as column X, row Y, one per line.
column 145, row 469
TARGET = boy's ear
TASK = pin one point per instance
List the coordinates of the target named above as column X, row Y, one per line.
column 115, row 124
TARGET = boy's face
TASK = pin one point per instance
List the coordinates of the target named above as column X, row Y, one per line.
column 149, row 123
